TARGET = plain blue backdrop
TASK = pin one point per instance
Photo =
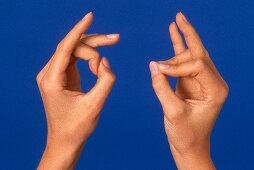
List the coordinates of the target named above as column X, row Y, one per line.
column 130, row 134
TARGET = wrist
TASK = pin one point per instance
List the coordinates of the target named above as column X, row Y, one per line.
column 58, row 156
column 193, row 159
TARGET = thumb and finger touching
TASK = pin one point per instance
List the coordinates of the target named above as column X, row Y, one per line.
column 186, row 63
column 88, row 43
column 104, row 84
column 75, row 44
column 163, row 89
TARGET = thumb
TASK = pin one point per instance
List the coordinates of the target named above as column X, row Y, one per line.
column 162, row 88
column 104, row 84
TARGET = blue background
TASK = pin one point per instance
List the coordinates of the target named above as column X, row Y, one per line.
column 130, row 134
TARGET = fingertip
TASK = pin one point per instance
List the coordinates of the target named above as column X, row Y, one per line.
column 113, row 36
column 172, row 26
column 178, row 17
column 88, row 16
column 181, row 19
column 105, row 72
column 153, row 68
column 112, row 39
column 85, row 22
column 105, row 62
column 104, row 67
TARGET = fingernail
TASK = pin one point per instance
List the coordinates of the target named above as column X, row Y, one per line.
column 162, row 62
column 183, row 17
column 87, row 15
column 153, row 68
column 164, row 66
column 173, row 24
column 105, row 62
column 112, row 36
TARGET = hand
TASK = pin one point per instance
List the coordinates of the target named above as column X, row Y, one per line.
column 191, row 111
column 71, row 114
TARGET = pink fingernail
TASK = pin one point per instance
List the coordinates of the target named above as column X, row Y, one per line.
column 173, row 24
column 105, row 62
column 87, row 15
column 153, row 68
column 162, row 62
column 183, row 17
column 164, row 66
column 112, row 36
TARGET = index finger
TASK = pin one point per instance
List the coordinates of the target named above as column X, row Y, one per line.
column 98, row 40
column 66, row 47
column 191, row 37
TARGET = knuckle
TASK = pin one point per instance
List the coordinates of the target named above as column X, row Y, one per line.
column 38, row 78
column 226, row 89
column 94, row 55
column 173, row 117
column 175, row 113
column 111, row 77
column 222, row 94
column 45, row 85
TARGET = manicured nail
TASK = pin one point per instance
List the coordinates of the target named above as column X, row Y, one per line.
column 164, row 66
column 183, row 17
column 162, row 62
column 87, row 15
column 153, row 68
column 105, row 62
column 173, row 24
column 112, row 36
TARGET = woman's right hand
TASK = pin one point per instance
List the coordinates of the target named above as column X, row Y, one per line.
column 191, row 111
column 72, row 115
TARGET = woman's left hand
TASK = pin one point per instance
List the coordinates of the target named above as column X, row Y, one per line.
column 72, row 115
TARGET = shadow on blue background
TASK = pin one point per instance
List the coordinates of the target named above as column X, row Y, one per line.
column 130, row 134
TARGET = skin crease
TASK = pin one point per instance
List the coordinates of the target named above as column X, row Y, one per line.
column 71, row 114
column 191, row 111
